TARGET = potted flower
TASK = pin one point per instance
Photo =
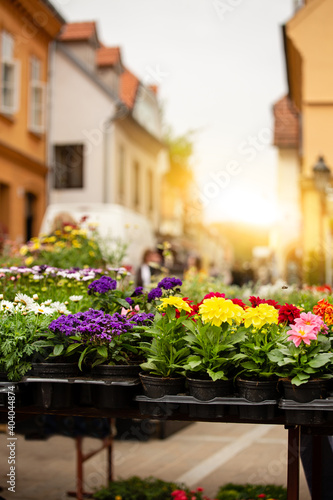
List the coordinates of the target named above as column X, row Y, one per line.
column 304, row 359
column 102, row 340
column 257, row 377
column 168, row 350
column 23, row 323
column 212, row 339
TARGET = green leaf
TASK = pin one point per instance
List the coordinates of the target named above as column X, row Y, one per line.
column 320, row 360
column 102, row 351
column 58, row 349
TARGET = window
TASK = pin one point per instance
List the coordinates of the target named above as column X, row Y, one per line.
column 68, row 167
column 37, row 97
column 136, row 187
column 121, row 174
column 9, row 76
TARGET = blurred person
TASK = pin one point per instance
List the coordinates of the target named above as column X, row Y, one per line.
column 194, row 267
column 151, row 264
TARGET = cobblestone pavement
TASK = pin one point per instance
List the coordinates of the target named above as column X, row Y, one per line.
column 202, row 454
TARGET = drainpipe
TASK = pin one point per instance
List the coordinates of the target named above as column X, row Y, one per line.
column 120, row 112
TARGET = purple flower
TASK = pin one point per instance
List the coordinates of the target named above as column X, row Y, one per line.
column 168, row 283
column 92, row 325
column 137, row 291
column 102, row 285
column 143, row 318
column 129, row 301
column 154, row 294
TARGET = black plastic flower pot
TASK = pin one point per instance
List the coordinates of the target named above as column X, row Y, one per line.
column 258, row 390
column 54, row 370
column 205, row 389
column 52, row 395
column 116, row 371
column 304, row 393
column 157, row 387
column 115, row 395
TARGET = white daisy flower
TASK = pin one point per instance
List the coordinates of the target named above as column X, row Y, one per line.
column 59, row 307
column 40, row 309
column 24, row 299
column 7, row 306
column 75, row 298
column 47, row 302
column 35, row 296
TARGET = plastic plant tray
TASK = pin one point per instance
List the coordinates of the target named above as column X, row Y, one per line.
column 214, row 408
column 316, row 412
column 55, row 393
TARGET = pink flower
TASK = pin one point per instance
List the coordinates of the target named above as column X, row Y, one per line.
column 302, row 332
column 312, row 320
column 130, row 311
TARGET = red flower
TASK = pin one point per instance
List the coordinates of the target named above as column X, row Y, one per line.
column 192, row 306
column 255, row 301
column 262, row 495
column 239, row 302
column 288, row 313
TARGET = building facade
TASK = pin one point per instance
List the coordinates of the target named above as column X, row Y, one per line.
column 309, row 50
column 105, row 131
column 27, row 27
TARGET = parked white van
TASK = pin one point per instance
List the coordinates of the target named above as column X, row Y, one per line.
column 114, row 224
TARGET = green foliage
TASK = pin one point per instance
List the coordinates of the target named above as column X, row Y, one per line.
column 168, row 351
column 20, row 343
column 211, row 349
column 304, row 362
column 253, row 358
column 249, row 491
column 135, row 488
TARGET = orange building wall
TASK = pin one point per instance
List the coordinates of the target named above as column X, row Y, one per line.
column 23, row 154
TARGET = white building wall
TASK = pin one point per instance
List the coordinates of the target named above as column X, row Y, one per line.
column 79, row 109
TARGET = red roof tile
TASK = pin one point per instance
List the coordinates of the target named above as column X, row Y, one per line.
column 108, row 56
column 286, row 124
column 129, row 84
column 78, row 31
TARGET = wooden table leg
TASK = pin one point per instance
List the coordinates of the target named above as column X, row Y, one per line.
column 293, row 463
column 316, row 467
column 79, row 469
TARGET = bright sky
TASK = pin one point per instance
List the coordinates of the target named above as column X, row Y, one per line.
column 219, row 65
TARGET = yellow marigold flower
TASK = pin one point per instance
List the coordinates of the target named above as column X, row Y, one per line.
column 76, row 244
column 28, row 261
column 24, row 250
column 52, row 239
column 57, row 232
column 68, row 229
column 91, row 253
column 217, row 310
column 261, row 315
column 176, row 302
column 118, row 497
column 60, row 244
column 36, row 246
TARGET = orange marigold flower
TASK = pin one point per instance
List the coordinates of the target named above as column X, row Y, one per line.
column 325, row 310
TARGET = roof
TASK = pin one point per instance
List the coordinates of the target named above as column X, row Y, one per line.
column 286, row 124
column 129, row 84
column 108, row 56
column 78, row 31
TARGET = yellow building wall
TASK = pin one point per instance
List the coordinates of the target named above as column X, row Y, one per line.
column 310, row 34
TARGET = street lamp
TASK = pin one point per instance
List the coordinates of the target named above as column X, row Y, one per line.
column 322, row 175
column 322, row 181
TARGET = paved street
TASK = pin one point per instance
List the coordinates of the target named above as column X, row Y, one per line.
column 202, row 454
